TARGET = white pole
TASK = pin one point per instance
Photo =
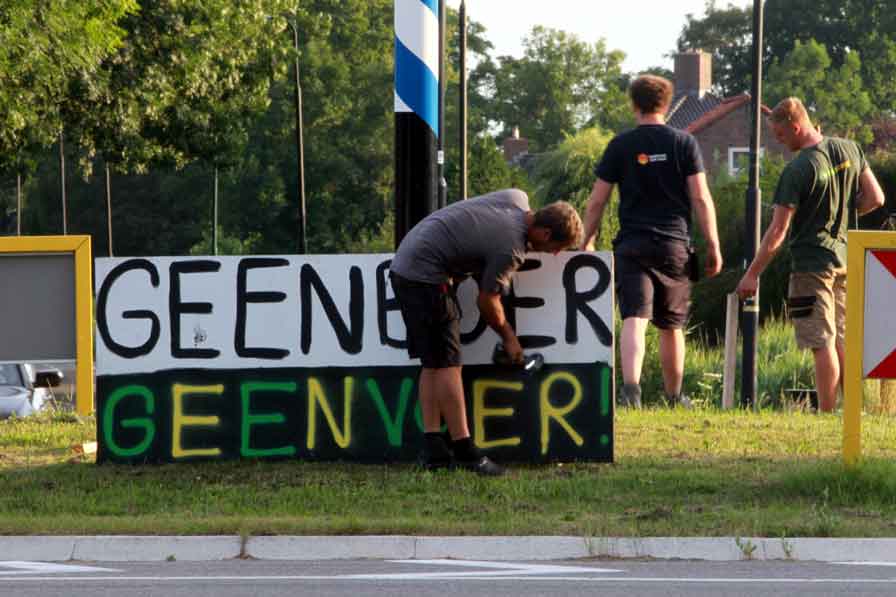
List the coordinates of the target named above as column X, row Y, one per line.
column 733, row 307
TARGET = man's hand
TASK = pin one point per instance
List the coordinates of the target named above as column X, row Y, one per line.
column 713, row 262
column 513, row 349
column 748, row 286
column 588, row 245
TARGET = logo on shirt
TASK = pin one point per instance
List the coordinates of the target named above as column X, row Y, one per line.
column 645, row 159
column 830, row 173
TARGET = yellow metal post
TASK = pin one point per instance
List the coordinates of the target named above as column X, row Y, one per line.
column 84, row 377
column 860, row 242
column 855, row 328
column 79, row 247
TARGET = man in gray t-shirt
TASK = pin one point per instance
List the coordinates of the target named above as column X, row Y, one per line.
column 486, row 237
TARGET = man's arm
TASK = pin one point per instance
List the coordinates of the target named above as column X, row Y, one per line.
column 771, row 243
column 872, row 196
column 703, row 206
column 492, row 312
column 594, row 213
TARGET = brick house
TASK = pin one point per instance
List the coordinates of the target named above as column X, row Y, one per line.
column 722, row 126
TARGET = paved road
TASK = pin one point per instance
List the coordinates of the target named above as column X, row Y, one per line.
column 438, row 578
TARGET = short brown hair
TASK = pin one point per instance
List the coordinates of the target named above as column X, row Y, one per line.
column 563, row 221
column 790, row 109
column 651, row 94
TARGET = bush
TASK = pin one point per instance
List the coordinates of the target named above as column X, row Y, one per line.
column 884, row 166
column 567, row 173
column 729, row 195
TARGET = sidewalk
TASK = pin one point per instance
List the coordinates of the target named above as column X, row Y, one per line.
column 213, row 548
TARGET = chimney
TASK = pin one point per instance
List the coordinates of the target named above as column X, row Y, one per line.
column 693, row 73
column 515, row 146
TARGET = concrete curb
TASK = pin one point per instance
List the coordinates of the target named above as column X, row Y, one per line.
column 214, row 548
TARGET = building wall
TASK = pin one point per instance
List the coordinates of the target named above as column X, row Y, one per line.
column 733, row 130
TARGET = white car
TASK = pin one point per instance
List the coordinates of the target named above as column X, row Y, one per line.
column 24, row 391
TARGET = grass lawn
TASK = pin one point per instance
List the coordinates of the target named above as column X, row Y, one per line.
column 703, row 472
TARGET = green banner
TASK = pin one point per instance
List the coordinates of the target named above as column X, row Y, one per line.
column 561, row 413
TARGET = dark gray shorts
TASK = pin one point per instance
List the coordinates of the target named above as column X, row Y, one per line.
column 432, row 319
column 652, row 279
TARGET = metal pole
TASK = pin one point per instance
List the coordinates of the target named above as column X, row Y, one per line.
column 443, row 184
column 109, row 206
column 215, row 217
column 62, row 178
column 300, row 144
column 750, row 307
column 463, row 100
column 19, row 204
column 416, row 113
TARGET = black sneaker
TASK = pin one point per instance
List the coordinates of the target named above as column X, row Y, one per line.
column 436, row 454
column 630, row 396
column 433, row 464
column 679, row 401
column 485, row 466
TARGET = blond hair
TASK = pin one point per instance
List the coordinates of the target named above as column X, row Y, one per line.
column 790, row 109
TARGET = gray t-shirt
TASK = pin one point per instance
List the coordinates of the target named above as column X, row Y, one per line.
column 484, row 237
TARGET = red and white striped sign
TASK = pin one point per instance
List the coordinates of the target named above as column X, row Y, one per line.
column 880, row 317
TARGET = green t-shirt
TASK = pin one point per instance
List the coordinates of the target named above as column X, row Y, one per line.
column 821, row 183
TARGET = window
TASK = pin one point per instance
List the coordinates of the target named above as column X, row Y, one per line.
column 9, row 376
column 739, row 159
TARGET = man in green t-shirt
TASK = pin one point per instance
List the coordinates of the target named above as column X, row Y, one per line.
column 827, row 179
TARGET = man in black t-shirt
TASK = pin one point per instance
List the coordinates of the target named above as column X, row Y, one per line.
column 661, row 179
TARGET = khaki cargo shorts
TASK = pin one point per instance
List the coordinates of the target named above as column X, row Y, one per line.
column 817, row 305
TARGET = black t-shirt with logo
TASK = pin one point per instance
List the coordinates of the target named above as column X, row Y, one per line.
column 651, row 165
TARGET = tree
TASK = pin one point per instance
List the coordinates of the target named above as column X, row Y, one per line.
column 346, row 49
column 43, row 45
column 488, row 170
column 567, row 173
column 559, row 85
column 833, row 95
column 185, row 84
column 843, row 27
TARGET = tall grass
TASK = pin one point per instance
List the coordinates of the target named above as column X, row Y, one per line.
column 780, row 366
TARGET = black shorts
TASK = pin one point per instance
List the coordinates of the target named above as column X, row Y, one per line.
column 432, row 318
column 652, row 279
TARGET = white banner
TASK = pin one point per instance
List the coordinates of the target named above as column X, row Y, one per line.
column 165, row 313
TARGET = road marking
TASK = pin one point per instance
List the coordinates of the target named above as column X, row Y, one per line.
column 528, row 579
column 15, row 568
column 482, row 571
column 497, row 569
column 886, row 564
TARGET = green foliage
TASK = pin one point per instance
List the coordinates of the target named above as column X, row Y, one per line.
column 184, row 100
column 44, row 45
column 490, row 172
column 559, row 85
column 833, row 95
column 883, row 164
column 567, row 173
column 185, row 84
column 729, row 195
column 782, row 366
column 843, row 27
column 227, row 245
